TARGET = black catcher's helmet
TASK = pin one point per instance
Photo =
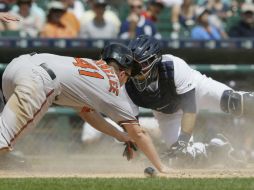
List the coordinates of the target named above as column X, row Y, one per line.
column 122, row 55
column 147, row 52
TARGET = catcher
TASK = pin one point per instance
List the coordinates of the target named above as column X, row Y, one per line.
column 175, row 92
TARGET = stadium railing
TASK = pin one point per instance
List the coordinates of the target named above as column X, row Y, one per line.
column 16, row 42
column 231, row 51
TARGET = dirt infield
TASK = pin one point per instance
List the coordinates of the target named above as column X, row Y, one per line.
column 102, row 160
column 108, row 166
column 174, row 174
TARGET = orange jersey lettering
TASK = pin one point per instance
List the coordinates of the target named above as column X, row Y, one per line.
column 113, row 80
column 85, row 65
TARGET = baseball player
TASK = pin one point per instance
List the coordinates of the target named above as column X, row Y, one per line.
column 32, row 82
column 175, row 92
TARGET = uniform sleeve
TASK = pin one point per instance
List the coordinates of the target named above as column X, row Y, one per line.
column 121, row 113
column 188, row 102
column 182, row 76
column 118, row 109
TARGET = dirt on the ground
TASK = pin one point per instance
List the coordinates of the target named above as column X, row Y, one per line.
column 106, row 163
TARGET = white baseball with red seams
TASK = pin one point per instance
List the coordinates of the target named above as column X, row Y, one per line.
column 82, row 84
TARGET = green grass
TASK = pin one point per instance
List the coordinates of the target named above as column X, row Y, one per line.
column 125, row 183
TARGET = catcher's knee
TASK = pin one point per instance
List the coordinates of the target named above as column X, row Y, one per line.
column 237, row 103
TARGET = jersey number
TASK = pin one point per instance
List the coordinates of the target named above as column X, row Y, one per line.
column 88, row 69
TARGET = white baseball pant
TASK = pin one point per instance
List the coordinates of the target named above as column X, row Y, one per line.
column 29, row 91
column 208, row 95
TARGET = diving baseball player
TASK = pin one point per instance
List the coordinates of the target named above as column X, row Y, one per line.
column 32, row 82
column 175, row 92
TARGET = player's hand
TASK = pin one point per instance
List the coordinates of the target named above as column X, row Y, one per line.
column 129, row 149
column 178, row 149
column 164, row 169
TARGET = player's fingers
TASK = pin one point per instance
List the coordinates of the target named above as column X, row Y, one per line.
column 130, row 152
column 125, row 152
column 134, row 146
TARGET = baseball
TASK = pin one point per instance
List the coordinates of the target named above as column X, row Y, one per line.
column 150, row 172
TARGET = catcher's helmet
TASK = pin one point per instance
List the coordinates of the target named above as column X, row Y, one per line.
column 147, row 51
column 122, row 55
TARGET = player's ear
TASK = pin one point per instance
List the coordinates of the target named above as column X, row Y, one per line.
column 121, row 74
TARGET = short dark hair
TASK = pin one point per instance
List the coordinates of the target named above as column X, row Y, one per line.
column 20, row 2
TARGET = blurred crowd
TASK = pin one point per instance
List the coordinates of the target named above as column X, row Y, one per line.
column 108, row 19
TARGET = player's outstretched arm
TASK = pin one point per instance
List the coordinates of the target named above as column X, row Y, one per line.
column 145, row 144
column 7, row 17
column 98, row 122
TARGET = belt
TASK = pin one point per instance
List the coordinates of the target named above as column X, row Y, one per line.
column 48, row 70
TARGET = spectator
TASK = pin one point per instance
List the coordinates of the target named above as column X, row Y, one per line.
column 30, row 23
column 187, row 17
column 54, row 27
column 71, row 20
column 204, row 30
column 76, row 7
column 219, row 8
column 6, row 17
column 154, row 8
column 245, row 27
column 220, row 12
column 35, row 9
column 175, row 6
column 99, row 27
column 4, row 6
column 108, row 15
column 136, row 24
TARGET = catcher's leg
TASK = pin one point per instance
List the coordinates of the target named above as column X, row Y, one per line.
column 209, row 93
column 220, row 151
column 169, row 125
column 199, row 155
column 238, row 103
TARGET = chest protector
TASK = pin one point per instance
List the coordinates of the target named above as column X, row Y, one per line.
column 164, row 99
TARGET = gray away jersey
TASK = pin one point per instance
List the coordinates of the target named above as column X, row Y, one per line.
column 88, row 84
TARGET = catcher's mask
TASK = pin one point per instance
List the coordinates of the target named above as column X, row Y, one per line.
column 147, row 52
